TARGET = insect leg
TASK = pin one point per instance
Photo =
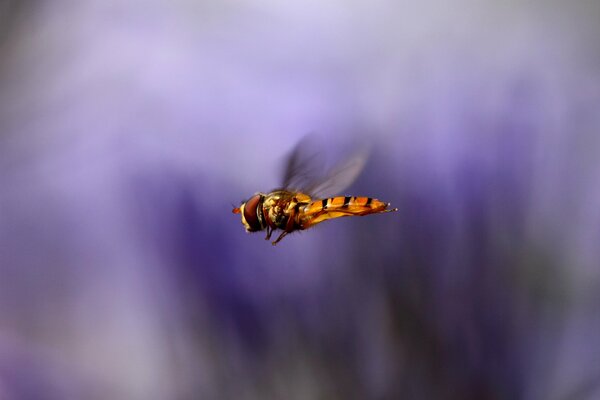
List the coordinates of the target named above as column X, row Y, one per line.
column 269, row 231
column 279, row 238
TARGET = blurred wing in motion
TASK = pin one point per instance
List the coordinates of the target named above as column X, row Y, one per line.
column 306, row 172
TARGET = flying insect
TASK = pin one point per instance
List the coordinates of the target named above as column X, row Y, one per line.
column 304, row 200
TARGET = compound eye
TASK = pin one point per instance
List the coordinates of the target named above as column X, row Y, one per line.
column 251, row 213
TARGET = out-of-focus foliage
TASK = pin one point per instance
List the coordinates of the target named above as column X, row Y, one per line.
column 128, row 129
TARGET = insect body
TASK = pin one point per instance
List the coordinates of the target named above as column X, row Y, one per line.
column 292, row 208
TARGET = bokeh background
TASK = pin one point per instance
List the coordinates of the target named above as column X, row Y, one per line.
column 128, row 129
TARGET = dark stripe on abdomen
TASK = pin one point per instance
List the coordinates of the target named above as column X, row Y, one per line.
column 346, row 201
column 369, row 200
column 324, row 203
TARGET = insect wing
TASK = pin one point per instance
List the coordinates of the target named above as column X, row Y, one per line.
column 304, row 166
column 306, row 171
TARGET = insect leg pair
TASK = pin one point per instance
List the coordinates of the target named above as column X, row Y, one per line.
column 270, row 231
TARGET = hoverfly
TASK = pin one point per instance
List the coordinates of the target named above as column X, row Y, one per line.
column 304, row 200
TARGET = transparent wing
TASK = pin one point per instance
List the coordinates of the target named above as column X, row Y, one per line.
column 306, row 170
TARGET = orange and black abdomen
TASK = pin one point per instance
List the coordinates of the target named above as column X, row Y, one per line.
column 341, row 206
column 350, row 204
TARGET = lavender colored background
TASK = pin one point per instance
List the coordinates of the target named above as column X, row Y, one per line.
column 128, row 129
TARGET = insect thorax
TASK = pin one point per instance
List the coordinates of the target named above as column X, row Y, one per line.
column 280, row 206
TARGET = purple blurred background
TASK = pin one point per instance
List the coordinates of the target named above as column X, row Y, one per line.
column 128, row 129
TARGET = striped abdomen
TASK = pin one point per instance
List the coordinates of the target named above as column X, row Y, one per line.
column 341, row 206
